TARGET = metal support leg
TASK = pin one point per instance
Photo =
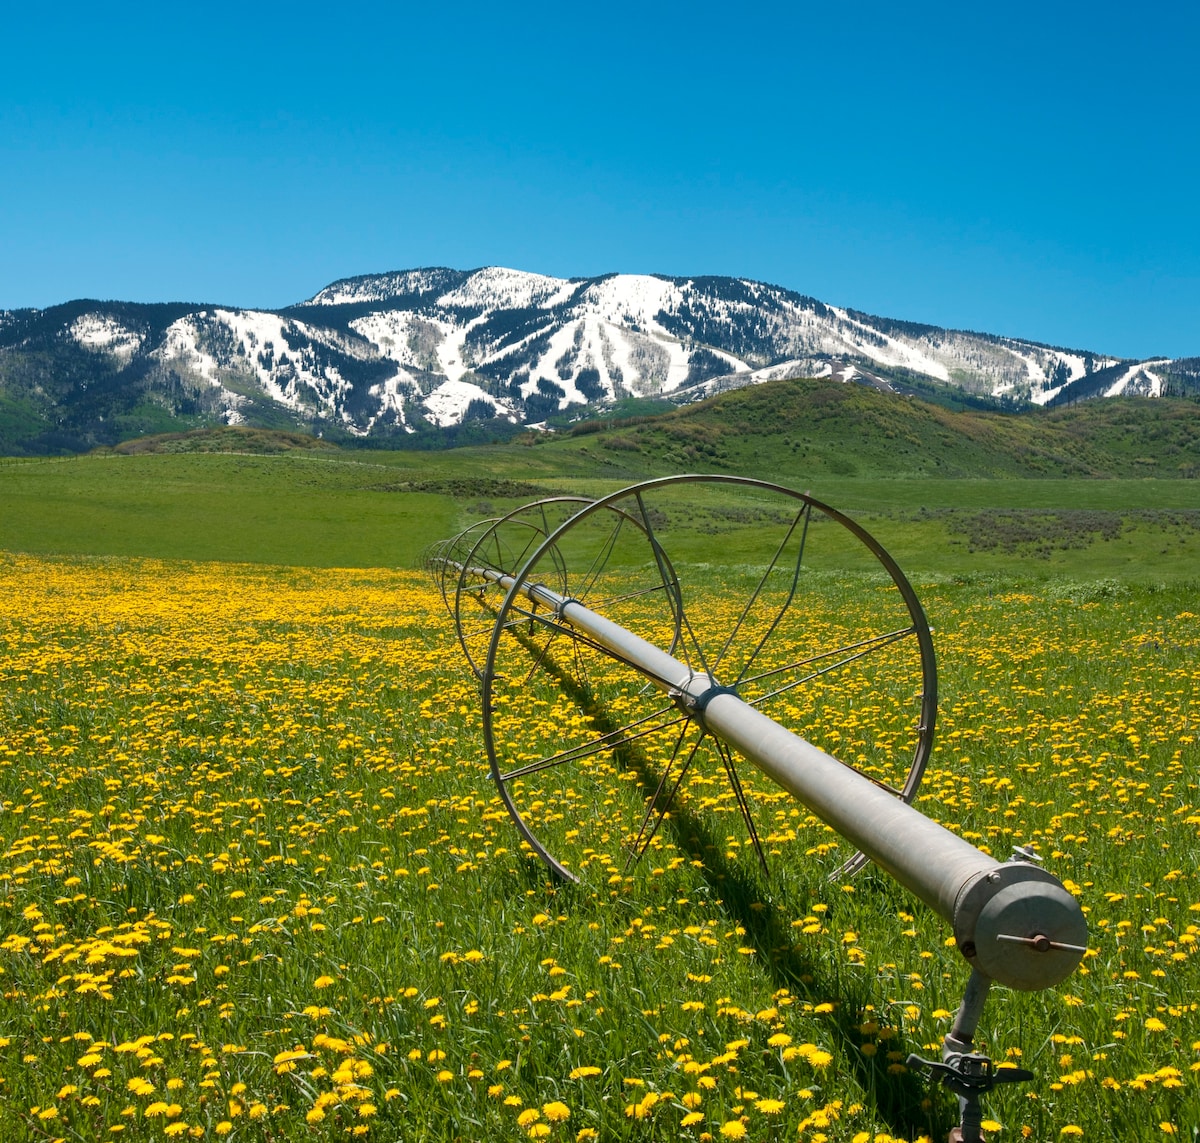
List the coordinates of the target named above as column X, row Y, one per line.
column 968, row 1074
column 966, row 1020
column 958, row 1042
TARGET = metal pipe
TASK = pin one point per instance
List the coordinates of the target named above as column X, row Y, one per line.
column 961, row 1037
column 1014, row 922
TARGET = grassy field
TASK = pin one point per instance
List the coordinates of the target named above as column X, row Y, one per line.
column 370, row 509
column 255, row 882
column 257, row 885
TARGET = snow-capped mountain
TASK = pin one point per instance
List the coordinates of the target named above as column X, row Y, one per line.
column 403, row 351
column 523, row 343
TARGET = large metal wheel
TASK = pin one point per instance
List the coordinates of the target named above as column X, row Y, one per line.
column 473, row 590
column 788, row 603
column 445, row 559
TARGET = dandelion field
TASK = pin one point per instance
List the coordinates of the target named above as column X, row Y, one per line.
column 256, row 884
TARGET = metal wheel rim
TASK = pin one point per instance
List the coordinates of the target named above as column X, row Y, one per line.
column 920, row 629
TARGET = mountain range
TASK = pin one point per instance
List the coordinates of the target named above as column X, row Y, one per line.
column 416, row 352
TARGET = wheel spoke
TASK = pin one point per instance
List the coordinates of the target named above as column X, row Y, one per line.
column 682, row 622
column 821, row 671
column 613, row 740
column 637, row 850
column 790, row 596
column 766, row 575
column 874, row 643
column 600, row 561
column 596, row 606
column 740, row 794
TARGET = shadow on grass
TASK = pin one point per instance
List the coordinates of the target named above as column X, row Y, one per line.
column 900, row 1098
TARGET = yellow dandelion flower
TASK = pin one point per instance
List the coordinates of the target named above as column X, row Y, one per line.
column 691, row 1119
column 734, row 1129
column 528, row 1116
column 584, row 1072
column 323, row 982
column 556, row 1111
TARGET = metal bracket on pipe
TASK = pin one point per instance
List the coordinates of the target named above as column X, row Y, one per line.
column 561, row 605
column 695, row 705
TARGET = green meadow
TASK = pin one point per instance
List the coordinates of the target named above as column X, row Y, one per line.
column 256, row 883
column 371, row 509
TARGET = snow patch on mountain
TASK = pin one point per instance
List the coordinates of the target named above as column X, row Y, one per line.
column 295, row 364
column 393, row 395
column 448, row 403
column 391, row 332
column 181, row 347
column 419, row 284
column 1139, row 380
column 104, row 334
column 884, row 349
column 633, row 300
column 291, row 374
column 496, row 287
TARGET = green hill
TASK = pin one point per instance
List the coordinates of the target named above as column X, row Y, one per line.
column 234, row 439
column 817, row 427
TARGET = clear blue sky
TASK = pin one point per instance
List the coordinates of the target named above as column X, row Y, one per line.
column 1019, row 168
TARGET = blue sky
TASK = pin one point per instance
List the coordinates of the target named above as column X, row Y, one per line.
column 1024, row 169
